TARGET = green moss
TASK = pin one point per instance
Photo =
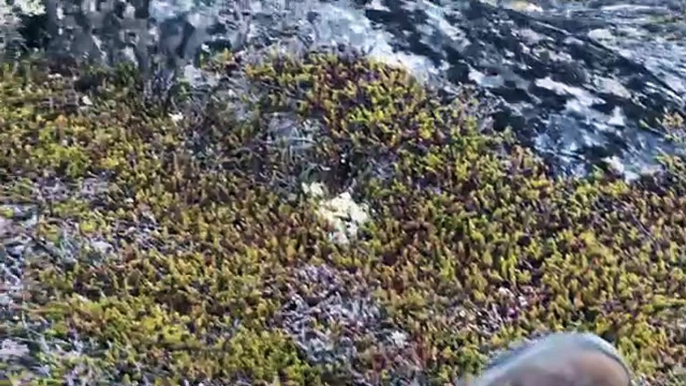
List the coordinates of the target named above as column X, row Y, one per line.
column 471, row 243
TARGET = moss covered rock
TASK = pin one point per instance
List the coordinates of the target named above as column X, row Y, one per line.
column 175, row 242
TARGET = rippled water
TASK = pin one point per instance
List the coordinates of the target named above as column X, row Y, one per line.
column 582, row 81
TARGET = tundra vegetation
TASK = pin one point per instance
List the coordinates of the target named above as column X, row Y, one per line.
column 174, row 236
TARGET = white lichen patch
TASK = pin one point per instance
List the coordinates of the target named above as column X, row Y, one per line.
column 524, row 6
column 9, row 12
column 342, row 212
column 328, row 313
column 315, row 189
column 10, row 348
column 30, row 7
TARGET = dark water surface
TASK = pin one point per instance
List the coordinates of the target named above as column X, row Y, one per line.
column 584, row 82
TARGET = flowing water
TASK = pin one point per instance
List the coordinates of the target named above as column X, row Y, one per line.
column 583, row 82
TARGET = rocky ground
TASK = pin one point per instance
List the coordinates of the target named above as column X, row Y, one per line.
column 306, row 215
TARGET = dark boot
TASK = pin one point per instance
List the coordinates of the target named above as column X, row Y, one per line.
column 560, row 359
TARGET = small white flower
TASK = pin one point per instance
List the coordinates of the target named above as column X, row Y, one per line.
column 176, row 117
column 399, row 338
